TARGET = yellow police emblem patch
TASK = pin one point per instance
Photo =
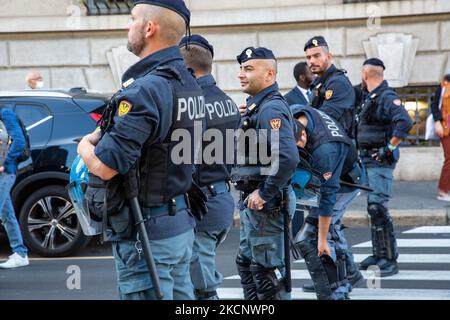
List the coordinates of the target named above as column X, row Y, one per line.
column 328, row 94
column 124, row 108
column 315, row 43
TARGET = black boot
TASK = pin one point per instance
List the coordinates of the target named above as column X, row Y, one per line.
column 309, row 287
column 353, row 274
column 387, row 267
column 367, row 262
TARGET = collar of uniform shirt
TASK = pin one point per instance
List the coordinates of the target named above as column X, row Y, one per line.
column 151, row 62
column 384, row 85
column 326, row 73
column 207, row 80
column 261, row 95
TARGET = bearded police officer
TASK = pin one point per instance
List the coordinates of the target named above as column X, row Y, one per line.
column 382, row 124
column 212, row 175
column 321, row 241
column 268, row 125
column 332, row 91
column 158, row 97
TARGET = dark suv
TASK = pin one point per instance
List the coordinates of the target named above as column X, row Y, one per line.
column 55, row 121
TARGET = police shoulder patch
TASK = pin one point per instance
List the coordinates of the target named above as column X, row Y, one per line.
column 327, row 175
column 328, row 94
column 275, row 123
column 124, row 107
column 397, row 102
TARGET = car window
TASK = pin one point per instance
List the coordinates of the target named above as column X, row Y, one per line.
column 38, row 121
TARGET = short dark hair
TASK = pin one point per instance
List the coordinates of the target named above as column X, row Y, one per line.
column 300, row 69
column 447, row 77
column 197, row 58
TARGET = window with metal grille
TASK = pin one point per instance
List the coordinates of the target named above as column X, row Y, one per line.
column 108, row 7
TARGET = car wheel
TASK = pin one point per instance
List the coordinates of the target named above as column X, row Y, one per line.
column 49, row 224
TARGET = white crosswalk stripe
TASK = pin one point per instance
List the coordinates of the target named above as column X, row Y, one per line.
column 426, row 275
column 414, row 243
column 429, row 229
column 357, row 294
column 408, row 258
column 409, row 284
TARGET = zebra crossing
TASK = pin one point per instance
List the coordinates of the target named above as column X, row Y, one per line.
column 424, row 264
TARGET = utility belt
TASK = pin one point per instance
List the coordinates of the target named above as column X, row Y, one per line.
column 171, row 208
column 216, row 188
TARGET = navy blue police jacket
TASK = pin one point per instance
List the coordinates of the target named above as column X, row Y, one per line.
column 328, row 146
column 339, row 95
column 144, row 118
column 222, row 115
column 274, row 115
column 389, row 114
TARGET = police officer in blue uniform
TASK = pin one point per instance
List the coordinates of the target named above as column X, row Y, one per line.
column 212, row 175
column 321, row 241
column 159, row 98
column 267, row 124
column 332, row 91
column 383, row 123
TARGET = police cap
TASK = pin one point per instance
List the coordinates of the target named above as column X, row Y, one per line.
column 374, row 62
column 197, row 40
column 175, row 5
column 252, row 53
column 317, row 41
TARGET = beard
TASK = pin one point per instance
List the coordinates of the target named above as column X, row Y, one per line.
column 136, row 45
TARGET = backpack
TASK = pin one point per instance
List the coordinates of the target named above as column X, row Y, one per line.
column 26, row 153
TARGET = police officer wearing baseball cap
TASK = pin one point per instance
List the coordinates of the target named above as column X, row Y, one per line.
column 212, row 175
column 332, row 91
column 261, row 183
column 383, row 123
column 136, row 135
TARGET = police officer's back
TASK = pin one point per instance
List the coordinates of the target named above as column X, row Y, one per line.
column 141, row 118
column 212, row 174
column 332, row 91
column 382, row 124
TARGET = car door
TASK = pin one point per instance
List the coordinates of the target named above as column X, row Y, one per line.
column 38, row 121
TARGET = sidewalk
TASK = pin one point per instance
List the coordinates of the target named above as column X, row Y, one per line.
column 412, row 203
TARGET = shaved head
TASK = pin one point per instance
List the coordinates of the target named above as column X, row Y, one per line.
column 372, row 76
column 257, row 74
column 171, row 24
column 376, row 72
column 153, row 28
